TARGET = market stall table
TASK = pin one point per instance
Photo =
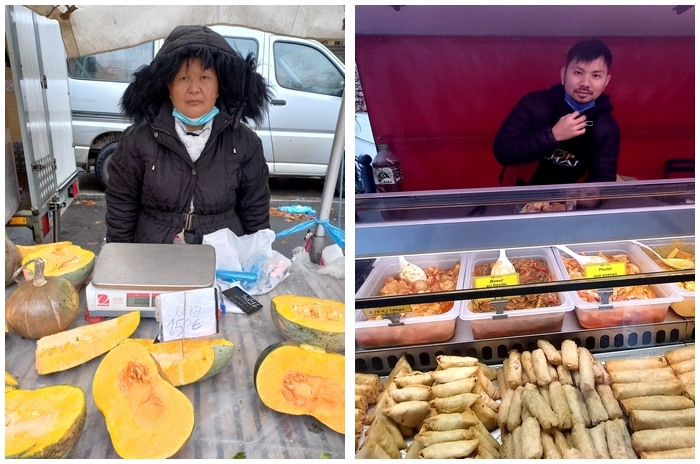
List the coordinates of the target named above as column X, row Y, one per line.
column 229, row 417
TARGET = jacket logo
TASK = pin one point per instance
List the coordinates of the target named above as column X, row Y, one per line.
column 563, row 158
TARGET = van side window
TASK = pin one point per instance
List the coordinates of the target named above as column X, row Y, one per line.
column 243, row 46
column 305, row 68
column 116, row 66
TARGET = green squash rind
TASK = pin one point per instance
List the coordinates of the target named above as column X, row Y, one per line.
column 222, row 357
column 295, row 332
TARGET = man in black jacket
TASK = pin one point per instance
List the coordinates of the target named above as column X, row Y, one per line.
column 565, row 132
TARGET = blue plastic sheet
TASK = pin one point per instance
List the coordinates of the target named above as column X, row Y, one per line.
column 298, row 209
column 337, row 234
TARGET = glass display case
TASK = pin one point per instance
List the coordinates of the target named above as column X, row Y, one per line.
column 465, row 229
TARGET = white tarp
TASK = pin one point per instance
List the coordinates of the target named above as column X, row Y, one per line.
column 87, row 30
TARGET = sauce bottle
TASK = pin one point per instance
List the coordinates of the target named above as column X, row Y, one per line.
column 386, row 168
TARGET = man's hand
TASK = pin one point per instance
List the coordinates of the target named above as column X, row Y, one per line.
column 569, row 126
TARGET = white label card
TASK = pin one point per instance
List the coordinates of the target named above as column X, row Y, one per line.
column 189, row 314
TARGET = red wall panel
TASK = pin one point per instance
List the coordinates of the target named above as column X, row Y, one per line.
column 438, row 101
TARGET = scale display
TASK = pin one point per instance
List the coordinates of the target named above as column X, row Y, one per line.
column 114, row 302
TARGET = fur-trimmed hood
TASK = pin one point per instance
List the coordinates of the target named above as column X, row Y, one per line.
column 241, row 89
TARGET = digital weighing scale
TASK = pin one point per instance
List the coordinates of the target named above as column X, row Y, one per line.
column 128, row 276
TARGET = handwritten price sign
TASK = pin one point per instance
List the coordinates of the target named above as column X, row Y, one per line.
column 189, row 314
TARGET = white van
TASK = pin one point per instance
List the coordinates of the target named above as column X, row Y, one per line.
column 307, row 81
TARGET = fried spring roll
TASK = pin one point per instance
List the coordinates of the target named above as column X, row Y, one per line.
column 384, row 439
column 569, row 354
column 371, row 392
column 507, row 450
column 657, row 403
column 503, row 409
column 644, row 419
column 552, row 372
column 635, row 364
column 413, row 449
column 451, row 421
column 513, row 370
column 584, row 409
column 383, row 422
column 646, row 375
column 544, row 391
column 488, row 371
column 663, row 439
column 451, row 404
column 689, row 390
column 528, row 367
column 582, row 441
column 449, row 450
column 585, row 370
column 484, row 452
column 541, row 366
column 371, row 450
column 611, row 405
column 532, row 441
column 572, row 453
column 501, row 376
column 549, row 449
column 594, row 405
column 430, row 437
column 518, row 443
column 453, row 373
column 488, row 401
column 687, row 377
column 525, row 413
column 411, row 393
column 680, row 354
column 683, row 453
column 615, row 441
column 552, row 354
column 539, row 408
column 576, row 377
column 684, row 366
column 361, row 403
column 488, row 386
column 601, row 375
column 444, row 390
column 366, row 379
column 445, row 361
column 515, row 411
column 560, row 406
column 669, row 387
column 486, row 415
column 486, row 435
column 626, row 438
column 574, row 406
column 487, row 441
column 560, row 441
column 599, row 441
column 414, row 378
column 564, row 375
column 359, row 416
column 408, row 413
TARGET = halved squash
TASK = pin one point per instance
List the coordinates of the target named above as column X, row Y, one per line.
column 183, row 362
column 147, row 418
column 63, row 259
column 13, row 260
column 71, row 348
column 43, row 423
column 303, row 380
column 306, row 319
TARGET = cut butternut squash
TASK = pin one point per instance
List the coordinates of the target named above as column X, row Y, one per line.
column 43, row 423
column 77, row 346
column 314, row 321
column 183, row 362
column 147, row 418
column 303, row 380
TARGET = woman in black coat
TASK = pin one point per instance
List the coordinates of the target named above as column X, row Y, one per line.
column 188, row 166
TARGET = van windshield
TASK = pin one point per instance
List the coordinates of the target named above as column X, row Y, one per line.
column 115, row 66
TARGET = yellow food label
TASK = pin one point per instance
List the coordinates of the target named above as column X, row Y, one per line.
column 606, row 270
column 497, row 281
column 371, row 313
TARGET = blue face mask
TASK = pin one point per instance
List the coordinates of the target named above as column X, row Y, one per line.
column 580, row 107
column 196, row 122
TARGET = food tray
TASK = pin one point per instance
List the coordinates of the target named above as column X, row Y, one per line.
column 685, row 307
column 628, row 312
column 520, row 321
column 410, row 330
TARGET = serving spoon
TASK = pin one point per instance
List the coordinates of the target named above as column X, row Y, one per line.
column 582, row 260
column 502, row 266
column 675, row 263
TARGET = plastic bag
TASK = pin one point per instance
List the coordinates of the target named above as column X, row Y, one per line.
column 251, row 253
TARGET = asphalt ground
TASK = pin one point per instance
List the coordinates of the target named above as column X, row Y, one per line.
column 82, row 223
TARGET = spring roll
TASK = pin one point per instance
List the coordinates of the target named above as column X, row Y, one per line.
column 683, row 453
column 414, row 378
column 445, row 361
column 564, row 375
column 549, row 449
column 669, row 387
column 645, row 419
column 515, row 411
column 544, row 391
column 486, row 415
column 488, row 371
column 502, row 415
column 552, row 372
column 361, row 403
column 507, row 450
column 569, row 354
column 487, row 441
column 523, row 379
column 601, row 375
column 413, row 449
column 411, row 393
column 371, row 450
column 525, row 413
column 366, row 379
column 501, row 375
column 560, row 441
column 449, row 450
column 615, row 441
column 687, row 377
column 513, row 370
column 582, row 405
column 552, row 354
column 611, row 405
column 444, row 390
column 599, row 441
column 453, row 373
column 572, row 453
column 663, row 439
column 532, row 441
column 594, row 405
column 430, row 437
column 488, row 401
column 371, row 392
column 574, row 406
column 451, row 404
column 541, row 367
column 528, row 367
column 539, row 408
column 560, row 406
column 635, row 364
column 384, row 439
column 585, row 370
column 485, row 435
column 689, row 390
column 657, row 403
column 486, row 384
column 680, row 354
column 408, row 413
column 646, row 375
column 576, row 377
column 451, row 421
column 582, row 441
column 383, row 422
column 359, row 416
column 518, row 443
column 626, row 437
column 484, row 452
column 684, row 366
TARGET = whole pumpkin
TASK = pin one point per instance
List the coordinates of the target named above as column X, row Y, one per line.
column 42, row 306
column 13, row 260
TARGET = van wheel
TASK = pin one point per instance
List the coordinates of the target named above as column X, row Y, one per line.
column 102, row 162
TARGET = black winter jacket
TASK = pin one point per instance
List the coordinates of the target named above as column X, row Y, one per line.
column 152, row 181
column 526, row 137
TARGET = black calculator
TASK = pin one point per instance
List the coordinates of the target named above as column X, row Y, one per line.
column 243, row 300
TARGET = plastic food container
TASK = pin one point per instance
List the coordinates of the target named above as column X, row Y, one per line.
column 415, row 330
column 516, row 321
column 685, row 307
column 627, row 312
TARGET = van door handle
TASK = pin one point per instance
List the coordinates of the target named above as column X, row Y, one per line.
column 278, row 102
